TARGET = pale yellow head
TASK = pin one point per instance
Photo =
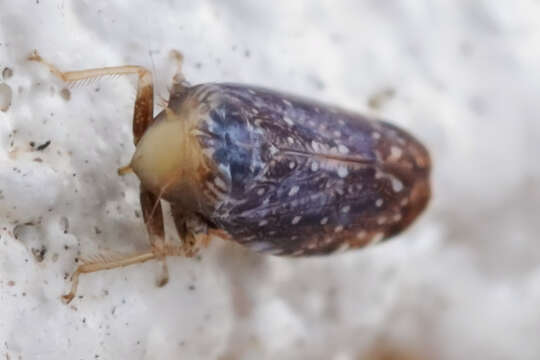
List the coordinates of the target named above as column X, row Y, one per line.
column 168, row 158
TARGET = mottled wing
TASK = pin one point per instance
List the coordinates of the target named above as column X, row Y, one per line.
column 304, row 178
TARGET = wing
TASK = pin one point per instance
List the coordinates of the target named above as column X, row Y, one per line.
column 304, row 178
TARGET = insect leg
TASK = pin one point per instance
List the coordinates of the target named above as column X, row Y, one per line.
column 104, row 265
column 178, row 77
column 153, row 218
column 144, row 102
column 192, row 230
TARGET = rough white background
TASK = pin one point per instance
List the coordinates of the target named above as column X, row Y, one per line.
column 463, row 283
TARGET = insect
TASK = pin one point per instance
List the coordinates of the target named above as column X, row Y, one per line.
column 276, row 173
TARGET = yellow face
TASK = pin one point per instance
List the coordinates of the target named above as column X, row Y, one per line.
column 168, row 159
column 158, row 155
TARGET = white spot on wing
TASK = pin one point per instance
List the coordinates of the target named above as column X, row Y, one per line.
column 324, row 220
column 296, row 219
column 294, row 190
column 342, row 172
column 397, row 185
column 314, row 166
column 273, row 150
column 288, row 120
column 343, row 149
column 361, row 234
column 395, row 153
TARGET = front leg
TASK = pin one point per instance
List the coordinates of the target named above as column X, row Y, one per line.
column 143, row 112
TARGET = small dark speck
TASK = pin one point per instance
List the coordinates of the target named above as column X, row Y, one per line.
column 191, row 287
column 64, row 222
column 381, row 97
column 198, row 65
column 7, row 73
column 247, row 53
column 6, row 95
column 65, row 94
column 43, row 146
column 84, row 320
column 97, row 230
column 39, row 254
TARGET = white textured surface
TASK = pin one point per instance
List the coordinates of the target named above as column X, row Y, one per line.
column 464, row 282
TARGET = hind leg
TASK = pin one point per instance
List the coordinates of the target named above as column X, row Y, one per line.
column 153, row 218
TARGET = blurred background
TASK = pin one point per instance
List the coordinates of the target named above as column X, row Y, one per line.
column 463, row 282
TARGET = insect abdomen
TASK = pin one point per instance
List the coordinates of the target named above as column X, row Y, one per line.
column 301, row 178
